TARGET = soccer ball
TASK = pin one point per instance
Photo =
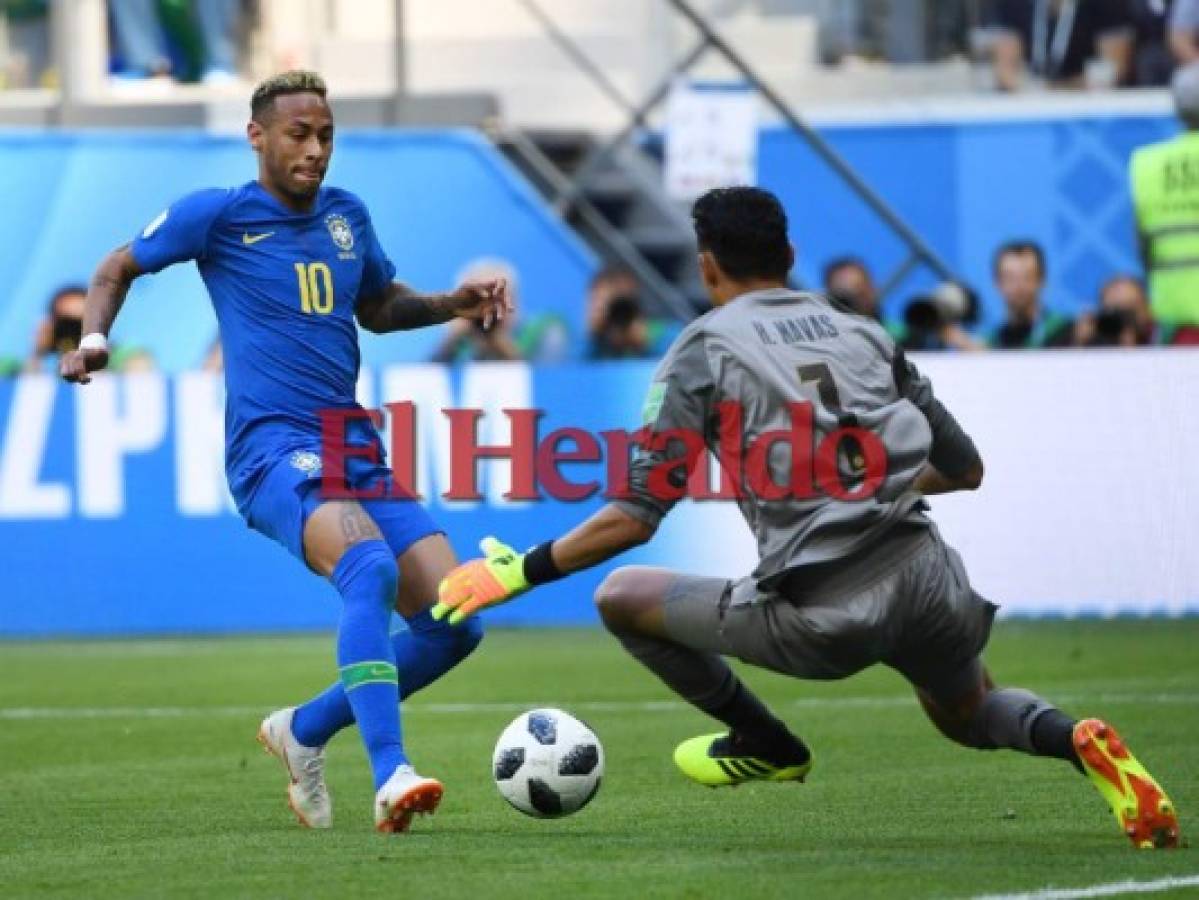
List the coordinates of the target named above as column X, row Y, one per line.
column 547, row 763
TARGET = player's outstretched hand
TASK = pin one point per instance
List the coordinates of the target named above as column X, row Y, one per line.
column 77, row 365
column 496, row 578
column 487, row 301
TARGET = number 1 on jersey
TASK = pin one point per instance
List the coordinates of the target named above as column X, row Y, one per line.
column 316, row 288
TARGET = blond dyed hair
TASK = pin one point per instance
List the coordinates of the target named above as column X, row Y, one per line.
column 296, row 81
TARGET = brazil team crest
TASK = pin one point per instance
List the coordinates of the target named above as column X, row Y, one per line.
column 339, row 230
column 306, row 461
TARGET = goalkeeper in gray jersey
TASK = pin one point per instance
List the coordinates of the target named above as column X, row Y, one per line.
column 851, row 571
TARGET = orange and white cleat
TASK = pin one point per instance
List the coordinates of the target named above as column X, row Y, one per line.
column 1142, row 808
column 307, row 794
column 402, row 796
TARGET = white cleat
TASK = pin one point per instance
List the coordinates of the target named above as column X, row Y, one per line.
column 307, row 794
column 402, row 796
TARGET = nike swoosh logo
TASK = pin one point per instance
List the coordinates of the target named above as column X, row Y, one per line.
column 249, row 239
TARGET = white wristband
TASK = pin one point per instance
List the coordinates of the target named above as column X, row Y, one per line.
column 94, row 341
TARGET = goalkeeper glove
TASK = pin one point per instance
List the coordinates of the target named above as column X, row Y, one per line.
column 496, row 578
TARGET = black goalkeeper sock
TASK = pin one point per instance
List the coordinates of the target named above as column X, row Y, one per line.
column 1017, row 719
column 756, row 732
column 706, row 681
column 1053, row 735
column 784, row 749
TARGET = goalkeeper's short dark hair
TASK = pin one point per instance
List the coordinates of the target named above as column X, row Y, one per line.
column 745, row 228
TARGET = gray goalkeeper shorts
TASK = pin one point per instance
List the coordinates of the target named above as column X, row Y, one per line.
column 905, row 602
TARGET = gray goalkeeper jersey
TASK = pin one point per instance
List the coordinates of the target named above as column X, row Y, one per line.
column 766, row 351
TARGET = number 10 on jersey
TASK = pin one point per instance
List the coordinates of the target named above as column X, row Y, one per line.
column 316, row 288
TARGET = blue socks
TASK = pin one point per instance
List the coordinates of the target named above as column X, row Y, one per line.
column 366, row 579
column 423, row 653
column 429, row 649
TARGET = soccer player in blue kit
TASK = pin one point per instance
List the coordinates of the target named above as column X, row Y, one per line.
column 289, row 266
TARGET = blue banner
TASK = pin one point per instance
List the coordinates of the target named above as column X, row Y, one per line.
column 966, row 187
column 441, row 202
column 115, row 517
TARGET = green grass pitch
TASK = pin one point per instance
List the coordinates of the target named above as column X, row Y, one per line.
column 155, row 787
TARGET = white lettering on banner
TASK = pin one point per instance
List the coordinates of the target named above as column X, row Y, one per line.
column 24, row 449
column 364, row 390
column 491, row 387
column 494, row 387
column 200, row 445
column 1088, row 505
column 113, row 418
column 427, row 386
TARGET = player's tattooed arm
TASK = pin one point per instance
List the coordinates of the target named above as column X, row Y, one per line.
column 400, row 308
column 105, row 296
column 107, row 290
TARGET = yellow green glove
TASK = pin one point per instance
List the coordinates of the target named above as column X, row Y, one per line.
column 478, row 583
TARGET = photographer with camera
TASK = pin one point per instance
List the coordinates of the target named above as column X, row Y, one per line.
column 936, row 321
column 623, row 333
column 1123, row 318
column 62, row 329
column 617, row 326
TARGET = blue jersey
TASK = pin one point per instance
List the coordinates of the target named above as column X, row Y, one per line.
column 284, row 286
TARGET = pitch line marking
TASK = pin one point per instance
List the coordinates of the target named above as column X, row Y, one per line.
column 1112, row 889
column 17, row 713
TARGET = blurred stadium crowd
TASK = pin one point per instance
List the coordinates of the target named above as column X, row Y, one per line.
column 1061, row 44
column 169, row 40
column 1028, row 44
column 619, row 328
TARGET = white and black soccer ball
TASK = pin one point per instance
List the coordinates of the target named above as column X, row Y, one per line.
column 547, row 763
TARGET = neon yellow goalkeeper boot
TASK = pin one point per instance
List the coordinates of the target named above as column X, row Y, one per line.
column 1141, row 807
column 722, row 759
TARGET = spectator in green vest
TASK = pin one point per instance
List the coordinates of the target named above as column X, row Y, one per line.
column 1019, row 270
column 1165, row 196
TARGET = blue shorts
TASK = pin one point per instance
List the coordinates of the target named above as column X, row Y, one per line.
column 290, row 489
